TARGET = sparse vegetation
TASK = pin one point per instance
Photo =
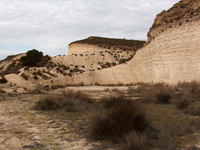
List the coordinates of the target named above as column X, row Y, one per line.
column 70, row 101
column 13, row 67
column 113, row 43
column 39, row 73
column 121, row 118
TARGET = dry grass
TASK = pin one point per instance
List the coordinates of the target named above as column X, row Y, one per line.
column 155, row 93
column 112, row 100
column 182, row 103
column 134, row 141
column 191, row 87
column 166, row 140
column 70, row 101
column 194, row 109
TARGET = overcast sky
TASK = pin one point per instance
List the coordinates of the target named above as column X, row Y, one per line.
column 50, row 25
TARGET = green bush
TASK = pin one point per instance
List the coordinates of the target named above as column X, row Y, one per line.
column 120, row 119
column 34, row 58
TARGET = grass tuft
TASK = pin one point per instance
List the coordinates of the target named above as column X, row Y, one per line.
column 166, row 140
column 134, row 141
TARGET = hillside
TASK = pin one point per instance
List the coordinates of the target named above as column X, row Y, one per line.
column 111, row 43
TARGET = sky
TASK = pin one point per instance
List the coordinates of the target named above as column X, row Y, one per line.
column 50, row 25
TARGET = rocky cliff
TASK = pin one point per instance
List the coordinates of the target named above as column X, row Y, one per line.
column 184, row 11
column 171, row 55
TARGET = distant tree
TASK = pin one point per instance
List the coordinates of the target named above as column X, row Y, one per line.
column 34, row 58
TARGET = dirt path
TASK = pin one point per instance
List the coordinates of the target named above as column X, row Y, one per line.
column 23, row 128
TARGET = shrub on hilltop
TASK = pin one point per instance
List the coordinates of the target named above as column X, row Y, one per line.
column 34, row 58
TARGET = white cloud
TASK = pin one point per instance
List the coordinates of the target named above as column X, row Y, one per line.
column 50, row 25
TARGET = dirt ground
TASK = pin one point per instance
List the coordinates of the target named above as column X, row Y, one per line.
column 22, row 127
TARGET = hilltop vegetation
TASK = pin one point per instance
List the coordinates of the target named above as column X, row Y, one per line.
column 34, row 58
column 182, row 12
column 111, row 43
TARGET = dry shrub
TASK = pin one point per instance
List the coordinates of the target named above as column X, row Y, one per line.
column 70, row 101
column 190, row 88
column 156, row 93
column 182, row 103
column 166, row 140
column 163, row 97
column 70, row 94
column 122, row 117
column 49, row 103
column 134, row 141
column 194, row 110
column 112, row 100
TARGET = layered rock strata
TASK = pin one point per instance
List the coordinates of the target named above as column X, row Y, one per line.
column 171, row 55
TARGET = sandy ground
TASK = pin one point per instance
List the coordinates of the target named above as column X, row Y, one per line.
column 23, row 128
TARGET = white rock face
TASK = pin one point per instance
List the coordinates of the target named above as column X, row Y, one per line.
column 172, row 57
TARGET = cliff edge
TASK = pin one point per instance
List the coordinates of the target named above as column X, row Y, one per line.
column 182, row 12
